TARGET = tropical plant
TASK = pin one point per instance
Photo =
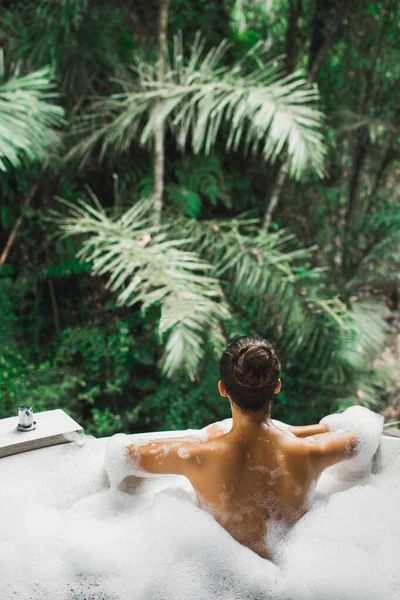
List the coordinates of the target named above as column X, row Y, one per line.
column 379, row 260
column 272, row 279
column 28, row 119
column 146, row 266
column 78, row 39
column 365, row 382
column 269, row 275
column 64, row 336
column 253, row 101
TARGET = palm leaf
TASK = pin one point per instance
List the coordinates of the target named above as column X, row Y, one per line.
column 144, row 265
column 192, row 269
column 262, row 109
column 28, row 119
column 79, row 39
column 272, row 279
column 381, row 263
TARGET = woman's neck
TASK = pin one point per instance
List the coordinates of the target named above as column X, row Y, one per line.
column 249, row 420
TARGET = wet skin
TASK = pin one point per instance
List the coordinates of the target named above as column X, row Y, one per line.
column 250, row 471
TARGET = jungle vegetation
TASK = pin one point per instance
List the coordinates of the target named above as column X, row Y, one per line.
column 177, row 173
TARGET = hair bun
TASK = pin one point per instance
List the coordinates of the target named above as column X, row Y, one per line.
column 253, row 367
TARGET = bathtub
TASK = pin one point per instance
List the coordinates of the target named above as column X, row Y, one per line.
column 59, row 542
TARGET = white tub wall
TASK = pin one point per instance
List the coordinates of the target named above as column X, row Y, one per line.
column 387, row 453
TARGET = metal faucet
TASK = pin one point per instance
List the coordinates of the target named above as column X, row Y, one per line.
column 25, row 418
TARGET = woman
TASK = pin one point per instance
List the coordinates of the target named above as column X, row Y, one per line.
column 256, row 471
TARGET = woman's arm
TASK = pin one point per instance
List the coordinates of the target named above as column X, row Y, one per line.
column 180, row 454
column 178, row 457
column 331, row 448
column 306, row 430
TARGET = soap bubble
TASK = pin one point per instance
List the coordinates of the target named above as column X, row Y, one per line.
column 78, row 437
column 183, row 453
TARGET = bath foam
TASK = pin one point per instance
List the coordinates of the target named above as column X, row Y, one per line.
column 346, row 547
column 118, row 464
column 121, row 548
column 368, row 426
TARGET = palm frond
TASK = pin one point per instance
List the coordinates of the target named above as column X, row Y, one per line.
column 144, row 265
column 365, row 391
column 67, row 14
column 192, row 269
column 79, row 39
column 376, row 125
column 260, row 109
column 381, row 263
column 272, row 279
column 370, row 318
column 28, row 119
column 361, row 382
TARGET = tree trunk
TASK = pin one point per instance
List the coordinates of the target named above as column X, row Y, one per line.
column 389, row 156
column 322, row 52
column 362, row 142
column 159, row 150
column 290, row 60
column 320, row 46
column 292, row 34
column 359, row 156
column 18, row 222
column 54, row 305
column 323, row 13
column 275, row 195
column 355, row 209
column 268, row 6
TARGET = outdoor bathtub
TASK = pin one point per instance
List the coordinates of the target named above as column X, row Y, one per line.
column 65, row 535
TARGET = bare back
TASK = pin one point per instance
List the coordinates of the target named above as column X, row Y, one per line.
column 250, row 476
column 249, row 480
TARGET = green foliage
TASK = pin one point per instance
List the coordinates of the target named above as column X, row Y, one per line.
column 142, row 352
column 79, row 39
column 180, row 405
column 260, row 107
column 196, row 181
column 105, row 423
column 28, row 119
column 379, row 262
column 146, row 266
column 268, row 277
column 21, row 378
column 202, row 183
column 271, row 278
column 105, row 354
column 192, row 17
column 92, row 372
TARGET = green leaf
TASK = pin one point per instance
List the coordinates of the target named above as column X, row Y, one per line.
column 28, row 119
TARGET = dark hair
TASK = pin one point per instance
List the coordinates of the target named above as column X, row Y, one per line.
column 250, row 369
